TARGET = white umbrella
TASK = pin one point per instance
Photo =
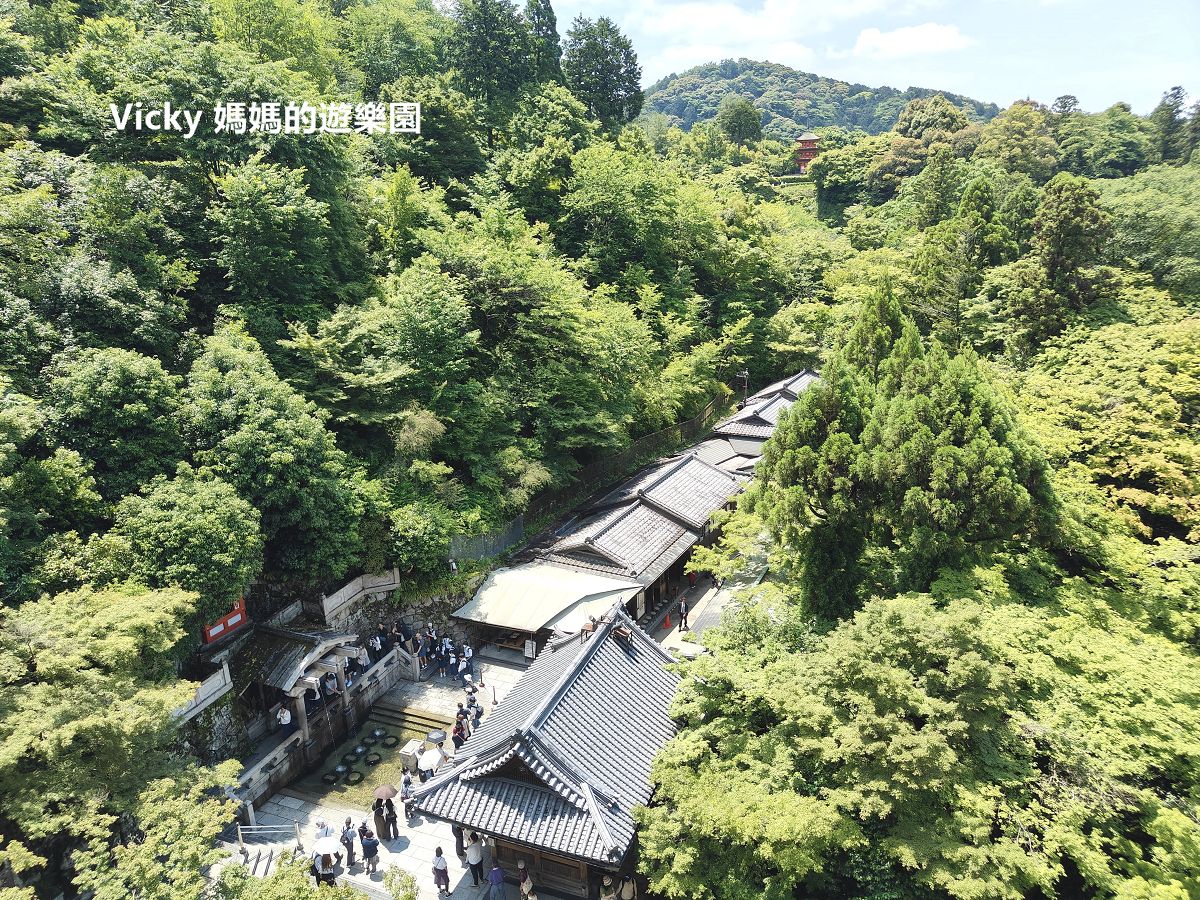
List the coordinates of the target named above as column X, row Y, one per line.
column 330, row 845
column 430, row 759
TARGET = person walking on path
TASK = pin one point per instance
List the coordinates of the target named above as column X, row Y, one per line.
column 380, row 816
column 441, row 873
column 495, row 882
column 392, row 819
column 347, row 839
column 475, row 857
column 683, row 613
column 370, row 851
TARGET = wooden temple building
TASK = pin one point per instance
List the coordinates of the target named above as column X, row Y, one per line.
column 553, row 775
column 630, row 544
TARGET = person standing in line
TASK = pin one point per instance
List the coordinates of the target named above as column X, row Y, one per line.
column 347, row 839
column 392, row 819
column 477, row 716
column 284, row 717
column 524, row 882
column 364, row 659
column 495, row 882
column 380, row 816
column 459, row 850
column 423, row 652
column 468, row 653
column 683, row 612
column 460, row 734
column 370, row 851
column 441, row 873
column 464, row 670
column 406, row 795
column 325, row 870
column 475, row 857
column 441, row 663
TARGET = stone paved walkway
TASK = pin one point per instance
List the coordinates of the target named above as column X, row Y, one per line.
column 706, row 603
column 442, row 695
column 412, row 851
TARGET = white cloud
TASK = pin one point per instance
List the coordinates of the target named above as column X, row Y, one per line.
column 678, row 35
column 912, row 40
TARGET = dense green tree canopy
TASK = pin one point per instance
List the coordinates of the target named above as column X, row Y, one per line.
column 740, row 121
column 272, row 361
column 602, row 70
column 86, row 731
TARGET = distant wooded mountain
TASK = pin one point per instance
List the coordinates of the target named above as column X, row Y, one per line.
column 791, row 101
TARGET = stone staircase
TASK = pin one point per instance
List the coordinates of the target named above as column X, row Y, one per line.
column 262, row 848
column 409, row 721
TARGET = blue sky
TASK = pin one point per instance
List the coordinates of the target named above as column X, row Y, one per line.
column 999, row 50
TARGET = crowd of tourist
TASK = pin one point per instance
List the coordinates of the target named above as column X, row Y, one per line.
column 435, row 652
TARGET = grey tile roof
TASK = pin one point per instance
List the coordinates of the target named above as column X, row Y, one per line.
column 565, row 758
column 692, row 490
column 278, row 656
column 630, row 541
column 641, row 527
column 795, row 385
column 715, row 451
column 761, row 413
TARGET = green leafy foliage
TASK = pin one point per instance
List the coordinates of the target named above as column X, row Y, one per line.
column 86, row 727
column 253, row 431
column 289, row 358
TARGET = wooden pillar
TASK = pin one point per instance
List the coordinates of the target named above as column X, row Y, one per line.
column 301, row 712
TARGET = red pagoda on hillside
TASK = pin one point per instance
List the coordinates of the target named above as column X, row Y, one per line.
column 807, row 147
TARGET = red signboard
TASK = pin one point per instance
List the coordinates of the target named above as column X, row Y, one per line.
column 231, row 622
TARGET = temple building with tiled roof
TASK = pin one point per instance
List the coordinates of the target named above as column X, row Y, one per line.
column 632, row 542
column 554, row 774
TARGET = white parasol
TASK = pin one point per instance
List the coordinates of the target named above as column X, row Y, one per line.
column 329, row 844
column 430, row 759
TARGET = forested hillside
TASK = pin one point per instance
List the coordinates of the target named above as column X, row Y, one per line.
column 285, row 358
column 972, row 671
column 789, row 102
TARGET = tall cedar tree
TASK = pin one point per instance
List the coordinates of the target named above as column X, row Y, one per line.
column 602, row 70
column 1068, row 231
column 900, row 463
column 1167, row 119
column 491, row 49
column 545, row 42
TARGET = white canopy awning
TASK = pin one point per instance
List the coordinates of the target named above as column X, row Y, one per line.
column 530, row 596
